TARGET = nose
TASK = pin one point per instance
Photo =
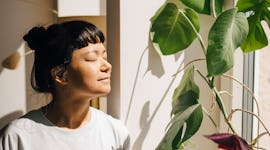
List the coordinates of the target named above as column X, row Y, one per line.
column 106, row 67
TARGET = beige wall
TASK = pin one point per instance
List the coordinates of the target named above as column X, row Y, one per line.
column 262, row 76
column 17, row 17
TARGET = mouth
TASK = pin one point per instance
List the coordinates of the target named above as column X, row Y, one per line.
column 105, row 79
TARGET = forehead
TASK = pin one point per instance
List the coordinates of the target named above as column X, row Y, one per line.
column 97, row 47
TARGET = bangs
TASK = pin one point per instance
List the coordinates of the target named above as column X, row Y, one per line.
column 82, row 33
column 89, row 36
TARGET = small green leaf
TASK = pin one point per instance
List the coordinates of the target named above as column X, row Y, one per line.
column 204, row 6
column 256, row 38
column 186, row 94
column 177, row 134
column 200, row 6
column 247, row 5
column 171, row 32
column 227, row 33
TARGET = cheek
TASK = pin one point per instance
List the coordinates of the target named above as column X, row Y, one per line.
column 83, row 74
column 88, row 75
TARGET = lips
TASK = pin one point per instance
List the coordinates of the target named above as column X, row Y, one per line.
column 104, row 78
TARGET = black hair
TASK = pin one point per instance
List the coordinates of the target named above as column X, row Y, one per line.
column 54, row 46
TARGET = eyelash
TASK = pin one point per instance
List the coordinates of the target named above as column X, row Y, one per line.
column 91, row 60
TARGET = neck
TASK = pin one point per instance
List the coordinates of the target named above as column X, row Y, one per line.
column 68, row 113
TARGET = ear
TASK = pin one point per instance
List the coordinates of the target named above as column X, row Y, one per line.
column 59, row 75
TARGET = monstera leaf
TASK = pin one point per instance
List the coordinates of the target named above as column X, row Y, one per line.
column 182, row 124
column 227, row 33
column 171, row 29
column 186, row 94
column 187, row 112
column 204, row 6
column 256, row 38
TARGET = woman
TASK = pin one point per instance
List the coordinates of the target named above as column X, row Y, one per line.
column 71, row 64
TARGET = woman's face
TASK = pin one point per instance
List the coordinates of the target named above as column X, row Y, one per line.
column 89, row 71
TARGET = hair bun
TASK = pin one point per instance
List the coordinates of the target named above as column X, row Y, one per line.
column 35, row 37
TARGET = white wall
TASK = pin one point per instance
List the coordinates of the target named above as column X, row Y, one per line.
column 67, row 8
column 17, row 17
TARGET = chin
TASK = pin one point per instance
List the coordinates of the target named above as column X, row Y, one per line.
column 105, row 92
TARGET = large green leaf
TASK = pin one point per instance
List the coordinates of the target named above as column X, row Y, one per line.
column 171, row 31
column 186, row 94
column 227, row 33
column 187, row 112
column 193, row 124
column 258, row 11
column 183, row 126
column 204, row 6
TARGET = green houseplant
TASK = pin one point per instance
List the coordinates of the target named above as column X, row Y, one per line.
column 174, row 28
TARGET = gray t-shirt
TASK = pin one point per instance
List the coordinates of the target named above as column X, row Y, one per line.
column 35, row 132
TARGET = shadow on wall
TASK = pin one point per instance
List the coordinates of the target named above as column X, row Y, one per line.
column 155, row 66
column 10, row 117
column 144, row 125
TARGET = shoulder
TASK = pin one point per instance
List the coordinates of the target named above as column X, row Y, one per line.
column 26, row 123
column 11, row 133
column 117, row 126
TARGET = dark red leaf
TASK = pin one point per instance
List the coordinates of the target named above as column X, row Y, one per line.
column 229, row 141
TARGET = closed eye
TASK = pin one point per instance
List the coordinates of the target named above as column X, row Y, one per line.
column 92, row 56
column 91, row 60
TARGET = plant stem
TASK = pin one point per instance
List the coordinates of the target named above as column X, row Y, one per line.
column 213, row 8
column 246, row 111
column 178, row 71
column 202, row 76
column 248, row 89
column 218, row 99
column 196, row 32
column 258, row 137
column 222, row 108
column 225, row 92
column 250, row 92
